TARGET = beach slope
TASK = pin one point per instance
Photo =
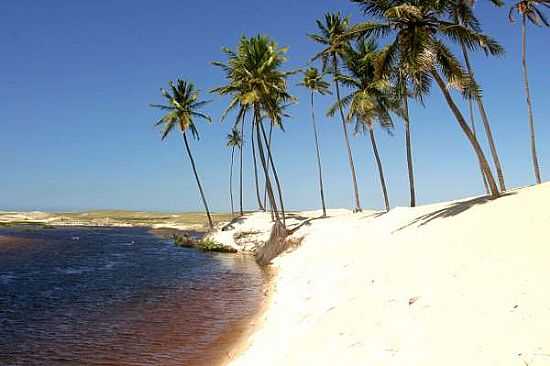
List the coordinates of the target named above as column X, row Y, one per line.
column 456, row 283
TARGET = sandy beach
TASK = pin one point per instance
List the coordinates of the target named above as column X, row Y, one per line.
column 455, row 283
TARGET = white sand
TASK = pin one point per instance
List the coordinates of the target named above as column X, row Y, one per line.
column 478, row 281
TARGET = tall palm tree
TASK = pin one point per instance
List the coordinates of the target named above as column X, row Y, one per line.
column 529, row 11
column 237, row 90
column 419, row 45
column 233, row 141
column 462, row 13
column 257, row 82
column 406, row 86
column 314, row 81
column 182, row 109
column 371, row 99
column 330, row 36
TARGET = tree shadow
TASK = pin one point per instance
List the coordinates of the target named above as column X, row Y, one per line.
column 374, row 215
column 450, row 211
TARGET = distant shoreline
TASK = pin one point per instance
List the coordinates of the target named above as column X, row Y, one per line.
column 179, row 222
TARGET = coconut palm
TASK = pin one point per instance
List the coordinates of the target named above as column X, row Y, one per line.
column 330, row 36
column 182, row 108
column 257, row 82
column 233, row 141
column 314, row 81
column 371, row 100
column 419, row 47
column 529, row 11
column 462, row 13
column 237, row 90
column 406, row 86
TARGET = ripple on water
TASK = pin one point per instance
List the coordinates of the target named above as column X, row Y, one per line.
column 98, row 301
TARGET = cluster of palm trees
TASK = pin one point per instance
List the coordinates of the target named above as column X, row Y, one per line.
column 373, row 86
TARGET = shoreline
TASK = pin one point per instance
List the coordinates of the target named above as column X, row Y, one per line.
column 453, row 283
column 248, row 327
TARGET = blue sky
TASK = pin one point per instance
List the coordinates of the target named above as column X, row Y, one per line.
column 76, row 79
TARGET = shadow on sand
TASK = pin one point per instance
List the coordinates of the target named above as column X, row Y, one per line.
column 450, row 211
column 374, row 215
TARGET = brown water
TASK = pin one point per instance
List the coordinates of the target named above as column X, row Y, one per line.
column 119, row 297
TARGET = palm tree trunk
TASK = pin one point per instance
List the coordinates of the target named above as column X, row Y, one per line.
column 486, row 125
column 319, row 169
column 473, row 124
column 528, row 94
column 210, row 223
column 270, row 194
column 380, row 170
column 277, row 182
column 231, row 180
column 468, row 132
column 260, row 207
column 409, row 147
column 269, row 146
column 357, row 207
column 241, row 163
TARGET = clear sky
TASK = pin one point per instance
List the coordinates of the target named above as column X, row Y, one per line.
column 76, row 79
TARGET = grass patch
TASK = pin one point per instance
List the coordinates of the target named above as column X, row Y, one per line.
column 206, row 244
column 209, row 245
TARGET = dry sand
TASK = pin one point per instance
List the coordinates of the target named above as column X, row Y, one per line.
column 456, row 283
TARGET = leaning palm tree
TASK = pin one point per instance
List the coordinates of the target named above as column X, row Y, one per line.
column 330, row 36
column 462, row 13
column 182, row 109
column 314, row 81
column 419, row 46
column 371, row 99
column 528, row 9
column 233, row 141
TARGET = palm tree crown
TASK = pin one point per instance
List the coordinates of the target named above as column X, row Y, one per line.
column 182, row 108
column 314, row 81
column 330, row 35
column 254, row 74
column 419, row 45
column 529, row 9
column 371, row 98
column 234, row 138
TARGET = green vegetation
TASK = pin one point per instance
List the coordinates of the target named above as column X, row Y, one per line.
column 206, row 244
column 209, row 245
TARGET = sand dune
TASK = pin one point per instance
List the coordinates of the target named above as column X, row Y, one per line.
column 456, row 283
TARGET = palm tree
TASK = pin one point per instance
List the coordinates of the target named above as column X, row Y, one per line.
column 233, row 141
column 237, row 90
column 529, row 11
column 402, row 80
column 181, row 110
column 421, row 51
column 314, row 81
column 462, row 13
column 256, row 82
column 371, row 99
column 330, row 36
